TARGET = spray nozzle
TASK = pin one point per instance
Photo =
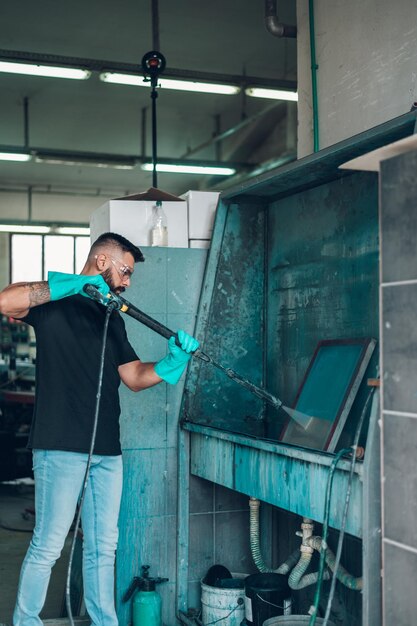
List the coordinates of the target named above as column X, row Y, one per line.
column 110, row 300
column 143, row 583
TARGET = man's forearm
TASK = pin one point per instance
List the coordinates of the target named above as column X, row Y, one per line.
column 18, row 298
column 39, row 293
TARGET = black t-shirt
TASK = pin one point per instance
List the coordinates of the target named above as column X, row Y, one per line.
column 69, row 336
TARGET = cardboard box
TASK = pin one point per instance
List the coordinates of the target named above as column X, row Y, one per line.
column 201, row 213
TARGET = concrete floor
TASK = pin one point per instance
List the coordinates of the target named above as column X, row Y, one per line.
column 16, row 501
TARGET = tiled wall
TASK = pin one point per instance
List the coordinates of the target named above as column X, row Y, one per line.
column 399, row 362
column 219, row 533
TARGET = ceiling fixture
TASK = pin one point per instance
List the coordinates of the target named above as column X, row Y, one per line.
column 168, row 83
column 272, row 94
column 81, row 159
column 72, row 230
column 49, row 71
column 32, row 63
column 15, row 156
column 39, row 229
column 121, row 163
column 210, row 170
column 18, row 228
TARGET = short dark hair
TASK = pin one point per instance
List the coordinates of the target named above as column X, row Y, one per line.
column 113, row 239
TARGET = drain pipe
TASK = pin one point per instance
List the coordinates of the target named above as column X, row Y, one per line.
column 255, row 547
column 295, row 563
column 298, row 579
column 356, row 584
column 272, row 24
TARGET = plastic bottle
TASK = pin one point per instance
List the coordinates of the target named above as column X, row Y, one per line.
column 147, row 603
column 159, row 231
column 147, row 606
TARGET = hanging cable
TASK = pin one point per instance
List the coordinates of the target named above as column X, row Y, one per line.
column 111, row 307
column 345, row 510
column 317, row 594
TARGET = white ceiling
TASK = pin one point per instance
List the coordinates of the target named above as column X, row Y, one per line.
column 220, row 36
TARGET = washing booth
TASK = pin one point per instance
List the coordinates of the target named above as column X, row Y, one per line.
column 290, row 301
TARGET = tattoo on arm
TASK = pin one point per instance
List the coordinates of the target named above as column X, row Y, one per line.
column 38, row 293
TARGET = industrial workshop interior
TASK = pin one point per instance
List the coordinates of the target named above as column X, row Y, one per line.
column 262, row 155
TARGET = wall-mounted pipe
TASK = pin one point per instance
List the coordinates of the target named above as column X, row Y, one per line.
column 272, row 24
column 314, row 68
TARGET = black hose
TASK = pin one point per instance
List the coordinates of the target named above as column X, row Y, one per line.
column 111, row 307
column 345, row 510
column 323, row 550
column 335, row 461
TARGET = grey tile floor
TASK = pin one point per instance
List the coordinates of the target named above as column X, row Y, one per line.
column 16, row 504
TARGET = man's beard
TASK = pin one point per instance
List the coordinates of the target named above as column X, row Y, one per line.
column 107, row 275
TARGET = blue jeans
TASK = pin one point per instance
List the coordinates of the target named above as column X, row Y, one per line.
column 58, row 481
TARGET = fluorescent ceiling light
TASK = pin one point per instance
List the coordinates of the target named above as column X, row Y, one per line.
column 50, row 159
column 14, row 156
column 72, row 230
column 44, row 230
column 170, row 83
column 19, row 228
column 273, row 94
column 187, row 85
column 190, row 169
column 44, row 70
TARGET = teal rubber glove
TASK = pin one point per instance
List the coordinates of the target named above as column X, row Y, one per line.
column 173, row 365
column 62, row 285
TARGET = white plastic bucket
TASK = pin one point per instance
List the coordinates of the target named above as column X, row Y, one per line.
column 222, row 604
column 294, row 620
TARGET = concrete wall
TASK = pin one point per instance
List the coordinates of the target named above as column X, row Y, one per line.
column 366, row 74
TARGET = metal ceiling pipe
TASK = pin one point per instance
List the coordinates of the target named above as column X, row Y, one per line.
column 230, row 131
column 272, row 24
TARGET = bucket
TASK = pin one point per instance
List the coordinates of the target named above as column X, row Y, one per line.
column 266, row 595
column 227, row 601
column 294, row 620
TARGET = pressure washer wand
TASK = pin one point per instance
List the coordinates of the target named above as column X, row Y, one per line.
column 126, row 307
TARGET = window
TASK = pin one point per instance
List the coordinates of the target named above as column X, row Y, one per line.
column 58, row 254
column 33, row 256
column 26, row 258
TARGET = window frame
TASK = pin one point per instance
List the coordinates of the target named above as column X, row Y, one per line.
column 43, row 236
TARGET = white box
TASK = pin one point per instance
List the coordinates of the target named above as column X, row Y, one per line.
column 201, row 212
column 133, row 220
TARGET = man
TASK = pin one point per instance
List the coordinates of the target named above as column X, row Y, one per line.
column 69, row 333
